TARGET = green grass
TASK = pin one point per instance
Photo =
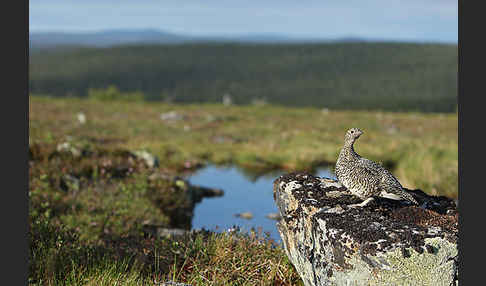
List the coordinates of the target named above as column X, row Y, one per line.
column 96, row 230
column 59, row 256
column 421, row 149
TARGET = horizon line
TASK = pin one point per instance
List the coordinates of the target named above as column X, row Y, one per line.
column 291, row 36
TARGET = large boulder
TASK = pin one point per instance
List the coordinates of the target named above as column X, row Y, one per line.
column 385, row 243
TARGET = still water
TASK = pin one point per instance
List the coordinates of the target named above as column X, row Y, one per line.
column 242, row 193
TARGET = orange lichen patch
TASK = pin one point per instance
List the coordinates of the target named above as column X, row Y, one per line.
column 425, row 218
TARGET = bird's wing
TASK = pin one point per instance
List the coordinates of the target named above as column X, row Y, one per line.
column 370, row 167
column 391, row 180
column 391, row 188
column 371, row 170
column 385, row 181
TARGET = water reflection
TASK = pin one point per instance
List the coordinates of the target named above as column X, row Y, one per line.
column 244, row 192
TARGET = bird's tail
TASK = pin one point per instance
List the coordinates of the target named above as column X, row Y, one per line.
column 398, row 194
column 407, row 196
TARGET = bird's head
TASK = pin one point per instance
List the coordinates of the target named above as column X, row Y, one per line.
column 353, row 134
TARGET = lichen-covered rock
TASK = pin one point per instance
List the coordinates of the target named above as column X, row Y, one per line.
column 385, row 243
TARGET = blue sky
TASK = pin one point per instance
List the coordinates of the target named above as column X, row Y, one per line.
column 409, row 20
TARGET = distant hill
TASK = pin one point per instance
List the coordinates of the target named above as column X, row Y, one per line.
column 351, row 75
column 108, row 38
column 102, row 39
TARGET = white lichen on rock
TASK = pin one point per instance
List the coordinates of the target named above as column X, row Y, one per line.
column 391, row 243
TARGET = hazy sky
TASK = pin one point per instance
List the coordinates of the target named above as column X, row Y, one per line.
column 408, row 20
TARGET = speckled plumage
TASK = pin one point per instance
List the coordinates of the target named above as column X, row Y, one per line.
column 365, row 178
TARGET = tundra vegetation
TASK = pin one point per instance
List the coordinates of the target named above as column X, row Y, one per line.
column 91, row 201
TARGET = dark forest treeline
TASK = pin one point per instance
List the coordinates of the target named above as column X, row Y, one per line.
column 386, row 76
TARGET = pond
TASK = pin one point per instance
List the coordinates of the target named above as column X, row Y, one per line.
column 243, row 193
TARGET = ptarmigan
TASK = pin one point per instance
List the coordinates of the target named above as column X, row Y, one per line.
column 365, row 178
